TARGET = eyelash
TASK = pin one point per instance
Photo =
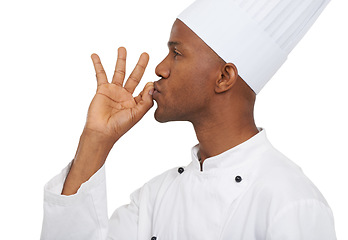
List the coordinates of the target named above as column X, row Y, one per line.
column 176, row 53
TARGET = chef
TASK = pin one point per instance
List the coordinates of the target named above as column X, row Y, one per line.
column 237, row 185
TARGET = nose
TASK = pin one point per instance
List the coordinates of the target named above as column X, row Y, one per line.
column 162, row 70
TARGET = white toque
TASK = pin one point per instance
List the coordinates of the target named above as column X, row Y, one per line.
column 255, row 35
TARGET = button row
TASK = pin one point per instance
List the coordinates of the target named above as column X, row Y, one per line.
column 238, row 179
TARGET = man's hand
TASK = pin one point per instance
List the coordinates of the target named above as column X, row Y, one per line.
column 113, row 111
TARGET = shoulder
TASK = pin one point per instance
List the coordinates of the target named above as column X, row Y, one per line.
column 296, row 209
column 278, row 178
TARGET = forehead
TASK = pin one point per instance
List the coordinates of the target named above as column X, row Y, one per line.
column 190, row 44
column 184, row 36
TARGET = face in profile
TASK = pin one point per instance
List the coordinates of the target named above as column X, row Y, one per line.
column 188, row 74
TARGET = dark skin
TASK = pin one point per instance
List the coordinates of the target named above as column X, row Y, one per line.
column 196, row 85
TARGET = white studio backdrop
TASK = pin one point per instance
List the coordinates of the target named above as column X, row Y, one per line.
column 47, row 82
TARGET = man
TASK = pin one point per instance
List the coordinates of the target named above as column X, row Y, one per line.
column 237, row 185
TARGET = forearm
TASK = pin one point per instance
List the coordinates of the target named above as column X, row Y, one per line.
column 90, row 156
column 79, row 216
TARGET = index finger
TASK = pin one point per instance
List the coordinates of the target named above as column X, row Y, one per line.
column 99, row 70
column 137, row 73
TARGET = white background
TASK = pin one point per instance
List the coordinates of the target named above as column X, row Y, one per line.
column 47, row 81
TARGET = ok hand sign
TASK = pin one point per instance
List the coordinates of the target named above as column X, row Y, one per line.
column 113, row 110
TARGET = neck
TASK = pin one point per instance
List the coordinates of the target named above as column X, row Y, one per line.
column 216, row 137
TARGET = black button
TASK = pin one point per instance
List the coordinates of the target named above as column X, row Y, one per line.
column 180, row 170
column 238, row 179
column 153, row 238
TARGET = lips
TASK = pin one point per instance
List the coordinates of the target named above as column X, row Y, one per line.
column 156, row 90
column 155, row 85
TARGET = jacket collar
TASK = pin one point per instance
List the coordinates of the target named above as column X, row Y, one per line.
column 232, row 158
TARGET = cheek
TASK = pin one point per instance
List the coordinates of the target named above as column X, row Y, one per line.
column 183, row 88
column 188, row 84
column 189, row 97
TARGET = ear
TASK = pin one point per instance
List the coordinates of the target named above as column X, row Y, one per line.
column 229, row 76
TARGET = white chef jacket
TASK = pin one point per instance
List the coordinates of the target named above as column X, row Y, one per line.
column 249, row 192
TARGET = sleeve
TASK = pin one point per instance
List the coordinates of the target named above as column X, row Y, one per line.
column 303, row 220
column 124, row 222
column 79, row 216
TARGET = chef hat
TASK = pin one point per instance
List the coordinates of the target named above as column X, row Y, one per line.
column 255, row 35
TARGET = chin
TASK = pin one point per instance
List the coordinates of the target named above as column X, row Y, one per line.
column 160, row 118
column 163, row 117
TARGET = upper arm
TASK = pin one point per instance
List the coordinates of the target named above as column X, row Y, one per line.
column 303, row 220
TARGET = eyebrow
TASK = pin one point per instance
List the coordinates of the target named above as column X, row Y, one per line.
column 171, row 43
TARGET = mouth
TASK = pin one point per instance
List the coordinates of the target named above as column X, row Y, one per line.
column 156, row 91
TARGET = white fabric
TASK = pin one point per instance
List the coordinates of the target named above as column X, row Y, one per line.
column 274, row 201
column 255, row 35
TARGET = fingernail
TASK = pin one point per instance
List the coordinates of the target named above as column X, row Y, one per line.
column 151, row 91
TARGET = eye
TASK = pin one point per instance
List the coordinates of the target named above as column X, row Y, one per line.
column 176, row 53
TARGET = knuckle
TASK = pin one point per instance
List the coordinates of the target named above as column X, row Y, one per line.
column 119, row 71
column 117, row 84
column 141, row 66
column 134, row 79
column 100, row 72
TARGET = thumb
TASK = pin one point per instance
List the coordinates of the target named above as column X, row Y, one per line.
column 144, row 101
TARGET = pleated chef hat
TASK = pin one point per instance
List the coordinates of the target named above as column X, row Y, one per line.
column 255, row 35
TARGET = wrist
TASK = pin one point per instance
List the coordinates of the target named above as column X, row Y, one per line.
column 90, row 156
column 93, row 147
